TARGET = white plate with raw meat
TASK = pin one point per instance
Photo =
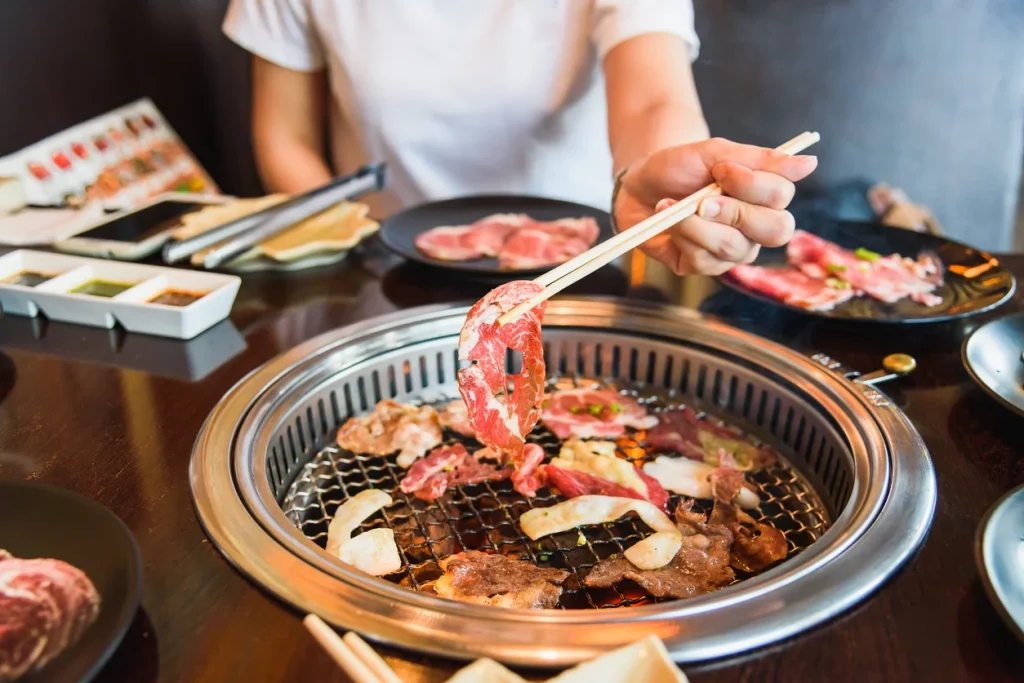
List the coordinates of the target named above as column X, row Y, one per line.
column 866, row 272
column 70, row 584
column 495, row 234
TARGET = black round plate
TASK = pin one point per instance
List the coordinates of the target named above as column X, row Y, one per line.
column 992, row 356
column 42, row 521
column 986, row 285
column 400, row 230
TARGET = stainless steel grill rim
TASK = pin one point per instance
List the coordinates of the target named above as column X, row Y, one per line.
column 758, row 611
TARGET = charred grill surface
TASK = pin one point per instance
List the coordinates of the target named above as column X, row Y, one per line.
column 483, row 516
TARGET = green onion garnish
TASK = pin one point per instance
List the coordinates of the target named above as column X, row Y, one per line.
column 836, row 268
column 866, row 254
column 595, row 409
column 615, row 408
column 836, row 283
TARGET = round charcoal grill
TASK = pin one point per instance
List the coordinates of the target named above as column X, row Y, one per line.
column 854, row 491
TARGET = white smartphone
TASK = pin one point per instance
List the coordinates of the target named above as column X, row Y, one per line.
column 136, row 234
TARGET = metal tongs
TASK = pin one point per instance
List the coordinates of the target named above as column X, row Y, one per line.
column 238, row 236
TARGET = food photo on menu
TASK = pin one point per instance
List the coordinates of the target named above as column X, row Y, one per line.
column 619, row 341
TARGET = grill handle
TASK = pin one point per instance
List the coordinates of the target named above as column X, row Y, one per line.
column 894, row 365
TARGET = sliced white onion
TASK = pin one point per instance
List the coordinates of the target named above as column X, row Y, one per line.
column 651, row 553
column 374, row 551
column 598, row 458
column 690, row 478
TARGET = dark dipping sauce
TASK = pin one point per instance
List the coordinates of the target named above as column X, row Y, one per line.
column 28, row 278
column 102, row 288
column 172, row 297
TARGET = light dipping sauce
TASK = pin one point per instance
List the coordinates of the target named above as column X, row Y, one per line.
column 175, row 297
column 102, row 288
column 28, row 278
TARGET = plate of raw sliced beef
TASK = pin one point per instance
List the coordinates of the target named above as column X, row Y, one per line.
column 862, row 271
column 70, row 584
column 495, row 234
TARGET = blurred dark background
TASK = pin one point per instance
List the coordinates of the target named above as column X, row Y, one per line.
column 927, row 95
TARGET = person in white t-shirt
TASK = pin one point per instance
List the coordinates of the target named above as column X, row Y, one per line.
column 545, row 97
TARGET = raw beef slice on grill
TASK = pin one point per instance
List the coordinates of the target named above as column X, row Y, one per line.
column 447, row 466
column 679, row 430
column 594, row 468
column 593, row 413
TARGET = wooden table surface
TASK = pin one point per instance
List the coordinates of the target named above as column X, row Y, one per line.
column 114, row 418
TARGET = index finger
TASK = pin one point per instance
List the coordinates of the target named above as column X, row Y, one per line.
column 793, row 168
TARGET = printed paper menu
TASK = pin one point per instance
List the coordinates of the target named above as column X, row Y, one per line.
column 121, row 160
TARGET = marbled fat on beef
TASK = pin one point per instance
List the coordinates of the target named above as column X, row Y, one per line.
column 447, row 466
column 392, row 426
column 45, row 606
column 501, row 418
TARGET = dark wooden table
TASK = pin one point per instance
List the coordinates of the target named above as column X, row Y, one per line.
column 115, row 417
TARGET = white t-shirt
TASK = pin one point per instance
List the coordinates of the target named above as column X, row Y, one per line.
column 463, row 96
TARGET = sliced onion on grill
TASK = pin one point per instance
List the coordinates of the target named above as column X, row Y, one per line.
column 652, row 552
column 374, row 551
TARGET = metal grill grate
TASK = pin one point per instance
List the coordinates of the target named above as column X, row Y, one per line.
column 483, row 516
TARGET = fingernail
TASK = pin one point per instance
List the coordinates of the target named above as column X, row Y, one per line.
column 808, row 156
column 709, row 208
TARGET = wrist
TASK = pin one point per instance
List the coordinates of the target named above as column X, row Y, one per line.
column 616, row 188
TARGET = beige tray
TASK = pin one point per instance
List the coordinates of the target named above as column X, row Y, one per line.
column 321, row 239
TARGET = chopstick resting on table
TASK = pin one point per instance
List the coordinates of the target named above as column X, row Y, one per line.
column 575, row 269
column 351, row 653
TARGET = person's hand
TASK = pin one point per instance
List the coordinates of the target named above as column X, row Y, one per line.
column 757, row 184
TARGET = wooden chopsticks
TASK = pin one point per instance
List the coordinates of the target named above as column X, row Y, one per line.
column 573, row 270
column 351, row 653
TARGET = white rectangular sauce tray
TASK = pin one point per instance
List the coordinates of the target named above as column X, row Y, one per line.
column 168, row 302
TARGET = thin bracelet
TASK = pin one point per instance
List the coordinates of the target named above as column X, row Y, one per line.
column 615, row 195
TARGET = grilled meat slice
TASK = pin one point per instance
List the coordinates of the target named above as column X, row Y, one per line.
column 392, row 426
column 700, row 566
column 474, row 576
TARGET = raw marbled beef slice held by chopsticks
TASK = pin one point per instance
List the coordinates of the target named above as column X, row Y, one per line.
column 502, row 417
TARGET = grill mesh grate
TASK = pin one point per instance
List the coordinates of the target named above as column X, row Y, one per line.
column 483, row 516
